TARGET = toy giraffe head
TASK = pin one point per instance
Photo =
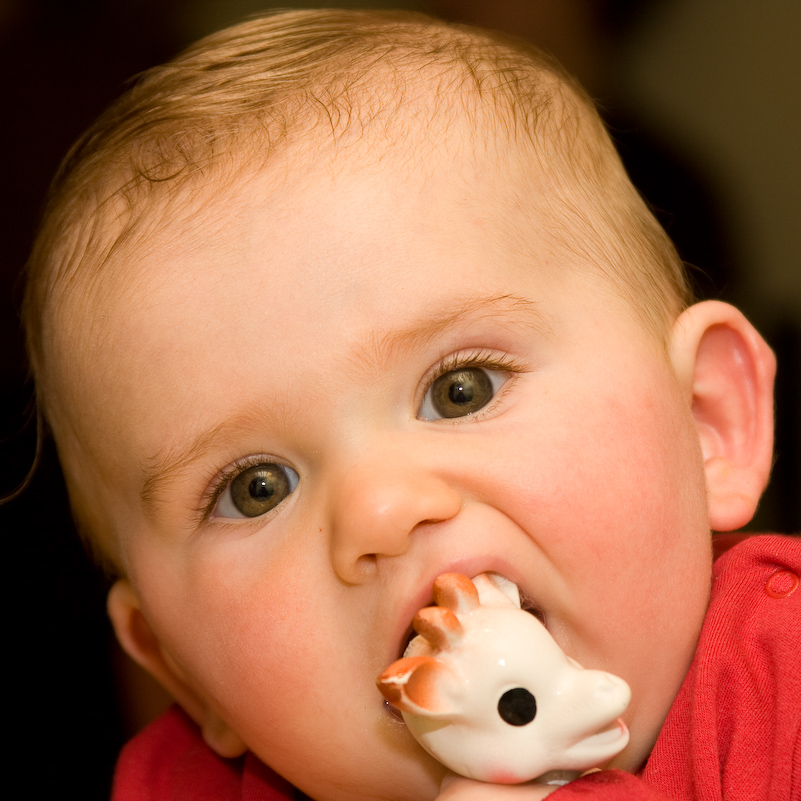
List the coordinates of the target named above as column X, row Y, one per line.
column 486, row 690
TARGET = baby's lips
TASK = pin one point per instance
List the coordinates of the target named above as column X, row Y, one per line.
column 387, row 682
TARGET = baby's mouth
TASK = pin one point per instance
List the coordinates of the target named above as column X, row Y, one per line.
column 527, row 604
column 414, row 645
column 412, row 635
column 393, row 710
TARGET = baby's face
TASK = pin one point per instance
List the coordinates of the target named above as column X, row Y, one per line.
column 334, row 388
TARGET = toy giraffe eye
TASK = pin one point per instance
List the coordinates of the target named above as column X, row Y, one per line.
column 517, row 707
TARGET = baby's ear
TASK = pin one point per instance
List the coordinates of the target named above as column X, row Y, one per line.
column 727, row 371
column 142, row 645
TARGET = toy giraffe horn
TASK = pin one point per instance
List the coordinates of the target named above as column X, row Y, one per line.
column 439, row 626
column 455, row 592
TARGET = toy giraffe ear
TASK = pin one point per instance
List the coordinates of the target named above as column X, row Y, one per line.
column 142, row 644
column 415, row 684
column 727, row 372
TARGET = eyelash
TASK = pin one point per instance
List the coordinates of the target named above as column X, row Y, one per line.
column 223, row 480
column 484, row 359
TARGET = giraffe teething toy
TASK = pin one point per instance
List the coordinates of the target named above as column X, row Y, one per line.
column 486, row 690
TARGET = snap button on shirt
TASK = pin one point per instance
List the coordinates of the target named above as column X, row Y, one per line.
column 781, row 584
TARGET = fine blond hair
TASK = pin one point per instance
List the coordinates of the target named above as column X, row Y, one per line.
column 292, row 76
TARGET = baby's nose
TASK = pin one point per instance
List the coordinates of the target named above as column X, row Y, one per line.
column 376, row 507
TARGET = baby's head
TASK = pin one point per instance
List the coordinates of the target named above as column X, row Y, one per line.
column 338, row 302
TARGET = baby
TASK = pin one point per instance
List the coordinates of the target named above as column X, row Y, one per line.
column 337, row 302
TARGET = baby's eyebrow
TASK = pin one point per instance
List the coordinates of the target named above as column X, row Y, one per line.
column 505, row 310
column 169, row 464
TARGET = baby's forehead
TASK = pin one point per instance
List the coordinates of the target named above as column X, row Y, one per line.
column 312, row 174
column 247, row 212
column 168, row 185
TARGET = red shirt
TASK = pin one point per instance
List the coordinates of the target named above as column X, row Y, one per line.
column 734, row 730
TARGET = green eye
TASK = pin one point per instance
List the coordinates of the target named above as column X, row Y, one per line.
column 257, row 490
column 461, row 392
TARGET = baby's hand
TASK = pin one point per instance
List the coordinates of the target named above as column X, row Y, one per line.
column 457, row 788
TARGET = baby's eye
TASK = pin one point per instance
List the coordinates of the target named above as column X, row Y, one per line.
column 460, row 392
column 256, row 490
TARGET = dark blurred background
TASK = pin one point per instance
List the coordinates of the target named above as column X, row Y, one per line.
column 704, row 99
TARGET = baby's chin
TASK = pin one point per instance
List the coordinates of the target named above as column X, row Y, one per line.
column 393, row 767
column 413, row 786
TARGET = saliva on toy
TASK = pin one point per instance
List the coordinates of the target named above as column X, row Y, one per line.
column 485, row 689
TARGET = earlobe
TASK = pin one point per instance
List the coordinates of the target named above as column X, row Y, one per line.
column 727, row 371
column 142, row 644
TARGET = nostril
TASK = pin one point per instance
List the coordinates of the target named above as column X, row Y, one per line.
column 610, row 685
column 353, row 569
